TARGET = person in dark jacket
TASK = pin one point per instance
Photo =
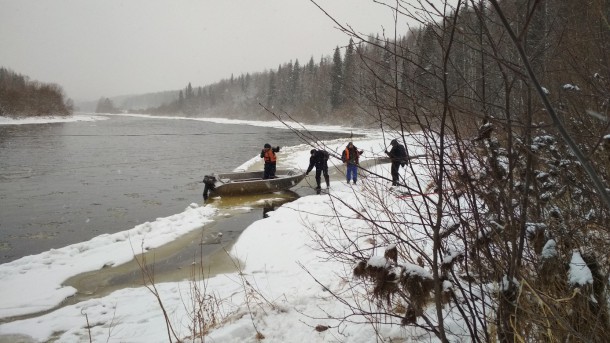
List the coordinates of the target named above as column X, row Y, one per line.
column 319, row 159
column 398, row 156
column 268, row 153
column 351, row 157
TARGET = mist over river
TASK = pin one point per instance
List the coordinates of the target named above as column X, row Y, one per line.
column 63, row 183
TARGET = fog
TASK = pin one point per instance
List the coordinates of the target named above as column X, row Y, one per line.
column 109, row 48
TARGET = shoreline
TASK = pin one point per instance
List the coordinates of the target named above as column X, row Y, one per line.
column 201, row 254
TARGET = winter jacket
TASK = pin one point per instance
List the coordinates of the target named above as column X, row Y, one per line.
column 398, row 153
column 351, row 155
column 269, row 154
column 318, row 159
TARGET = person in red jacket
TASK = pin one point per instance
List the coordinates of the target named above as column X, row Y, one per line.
column 268, row 153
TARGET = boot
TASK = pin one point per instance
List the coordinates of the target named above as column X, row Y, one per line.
column 327, row 179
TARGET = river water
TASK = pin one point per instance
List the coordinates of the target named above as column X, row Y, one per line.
column 63, row 183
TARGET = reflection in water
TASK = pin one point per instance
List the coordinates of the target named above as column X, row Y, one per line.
column 254, row 200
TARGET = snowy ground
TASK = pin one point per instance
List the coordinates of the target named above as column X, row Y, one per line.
column 283, row 292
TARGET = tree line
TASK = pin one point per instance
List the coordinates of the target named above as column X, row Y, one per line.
column 21, row 97
column 318, row 91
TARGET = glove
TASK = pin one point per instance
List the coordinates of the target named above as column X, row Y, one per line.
column 278, row 148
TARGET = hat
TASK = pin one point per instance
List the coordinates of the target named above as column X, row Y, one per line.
column 267, row 145
column 394, row 142
column 312, row 151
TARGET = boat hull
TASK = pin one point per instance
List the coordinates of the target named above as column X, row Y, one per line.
column 238, row 183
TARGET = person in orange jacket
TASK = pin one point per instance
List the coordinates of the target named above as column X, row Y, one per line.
column 268, row 153
column 350, row 157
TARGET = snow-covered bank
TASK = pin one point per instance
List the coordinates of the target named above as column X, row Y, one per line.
column 281, row 299
column 34, row 283
column 47, row 120
column 273, row 123
column 102, row 116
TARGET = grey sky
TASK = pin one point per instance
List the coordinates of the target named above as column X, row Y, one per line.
column 106, row 48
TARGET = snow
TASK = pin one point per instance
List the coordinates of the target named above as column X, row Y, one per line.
column 571, row 87
column 283, row 290
column 505, row 285
column 579, row 273
column 46, row 120
column 273, row 123
column 40, row 276
column 549, row 250
column 451, row 255
column 412, row 269
column 377, row 262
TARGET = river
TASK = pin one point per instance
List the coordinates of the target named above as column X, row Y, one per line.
column 63, row 183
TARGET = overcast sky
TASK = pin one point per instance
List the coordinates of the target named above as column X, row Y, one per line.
column 106, row 48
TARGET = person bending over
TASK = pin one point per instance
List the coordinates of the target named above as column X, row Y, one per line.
column 319, row 159
column 398, row 156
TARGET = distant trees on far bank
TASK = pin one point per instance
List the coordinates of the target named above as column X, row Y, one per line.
column 105, row 105
column 20, row 97
column 323, row 91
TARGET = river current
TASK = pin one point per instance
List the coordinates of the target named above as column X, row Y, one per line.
column 63, row 183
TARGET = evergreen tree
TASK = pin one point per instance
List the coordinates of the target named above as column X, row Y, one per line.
column 336, row 80
column 295, row 83
column 189, row 91
column 349, row 72
column 272, row 89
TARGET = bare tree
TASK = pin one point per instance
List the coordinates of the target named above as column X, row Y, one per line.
column 512, row 206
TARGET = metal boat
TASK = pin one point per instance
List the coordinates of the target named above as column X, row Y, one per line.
column 252, row 182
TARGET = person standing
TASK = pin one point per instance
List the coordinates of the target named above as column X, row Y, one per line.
column 350, row 158
column 398, row 156
column 268, row 153
column 319, row 159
